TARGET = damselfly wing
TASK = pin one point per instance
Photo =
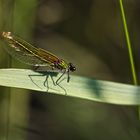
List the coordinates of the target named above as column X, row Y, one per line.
column 27, row 53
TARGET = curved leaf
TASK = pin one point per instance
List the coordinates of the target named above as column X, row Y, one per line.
column 80, row 87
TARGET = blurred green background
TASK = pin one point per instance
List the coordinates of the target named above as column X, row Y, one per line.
column 88, row 33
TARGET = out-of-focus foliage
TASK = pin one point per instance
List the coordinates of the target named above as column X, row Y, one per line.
column 14, row 17
column 88, row 33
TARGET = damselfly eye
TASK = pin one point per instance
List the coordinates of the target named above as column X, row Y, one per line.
column 72, row 67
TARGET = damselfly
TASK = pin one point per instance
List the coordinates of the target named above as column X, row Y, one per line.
column 31, row 55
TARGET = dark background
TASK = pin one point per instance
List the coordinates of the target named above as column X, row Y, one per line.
column 88, row 33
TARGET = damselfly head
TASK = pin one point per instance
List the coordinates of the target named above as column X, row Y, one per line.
column 72, row 67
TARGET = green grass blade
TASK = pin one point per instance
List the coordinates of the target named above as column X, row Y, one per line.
column 78, row 87
column 134, row 75
column 128, row 44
